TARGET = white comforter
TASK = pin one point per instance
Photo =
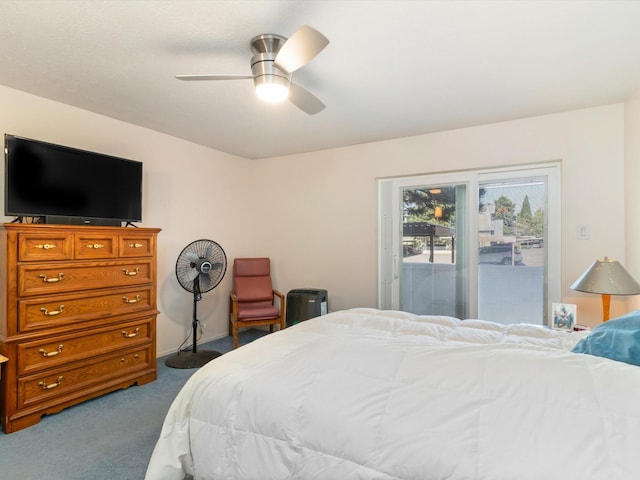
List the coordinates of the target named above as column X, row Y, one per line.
column 369, row 394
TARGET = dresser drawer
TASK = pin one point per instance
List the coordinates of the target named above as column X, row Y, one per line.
column 89, row 246
column 81, row 376
column 136, row 245
column 64, row 349
column 51, row 278
column 34, row 247
column 69, row 310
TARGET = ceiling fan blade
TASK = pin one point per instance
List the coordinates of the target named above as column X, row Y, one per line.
column 213, row 76
column 300, row 48
column 305, row 100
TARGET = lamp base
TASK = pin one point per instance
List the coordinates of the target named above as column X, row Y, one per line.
column 606, row 304
column 191, row 359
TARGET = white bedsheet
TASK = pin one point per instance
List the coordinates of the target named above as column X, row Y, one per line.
column 369, row 394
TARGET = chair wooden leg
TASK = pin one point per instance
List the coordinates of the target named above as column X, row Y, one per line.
column 235, row 335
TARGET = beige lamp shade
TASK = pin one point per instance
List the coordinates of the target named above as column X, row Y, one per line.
column 607, row 277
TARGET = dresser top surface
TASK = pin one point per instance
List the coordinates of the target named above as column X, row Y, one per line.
column 49, row 227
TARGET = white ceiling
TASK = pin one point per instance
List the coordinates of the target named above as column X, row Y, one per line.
column 393, row 68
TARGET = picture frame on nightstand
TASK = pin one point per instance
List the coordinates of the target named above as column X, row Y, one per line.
column 564, row 316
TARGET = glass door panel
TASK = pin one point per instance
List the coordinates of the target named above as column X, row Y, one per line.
column 512, row 257
column 432, row 273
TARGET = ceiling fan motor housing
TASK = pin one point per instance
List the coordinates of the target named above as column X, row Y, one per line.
column 267, row 43
column 265, row 48
column 264, row 64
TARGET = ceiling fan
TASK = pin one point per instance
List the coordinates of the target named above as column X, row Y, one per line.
column 274, row 60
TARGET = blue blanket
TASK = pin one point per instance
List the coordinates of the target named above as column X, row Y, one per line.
column 617, row 339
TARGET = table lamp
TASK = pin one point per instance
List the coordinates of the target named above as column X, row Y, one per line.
column 607, row 277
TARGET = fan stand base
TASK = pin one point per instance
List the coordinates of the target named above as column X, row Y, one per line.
column 191, row 359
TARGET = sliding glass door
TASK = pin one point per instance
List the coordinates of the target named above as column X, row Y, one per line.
column 474, row 244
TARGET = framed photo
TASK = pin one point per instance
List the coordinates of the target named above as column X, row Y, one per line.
column 564, row 316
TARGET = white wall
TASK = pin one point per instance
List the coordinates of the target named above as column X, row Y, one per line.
column 315, row 214
column 190, row 192
column 632, row 190
column 326, row 200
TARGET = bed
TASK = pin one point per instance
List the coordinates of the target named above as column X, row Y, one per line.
column 372, row 394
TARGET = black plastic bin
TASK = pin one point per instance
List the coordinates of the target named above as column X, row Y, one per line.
column 306, row 303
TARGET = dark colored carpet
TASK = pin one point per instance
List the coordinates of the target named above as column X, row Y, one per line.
column 108, row 438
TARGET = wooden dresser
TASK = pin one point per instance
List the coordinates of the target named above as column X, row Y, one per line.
column 78, row 318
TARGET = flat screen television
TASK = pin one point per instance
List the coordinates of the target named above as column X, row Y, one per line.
column 61, row 184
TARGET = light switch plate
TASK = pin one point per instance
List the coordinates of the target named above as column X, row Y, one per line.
column 583, row 232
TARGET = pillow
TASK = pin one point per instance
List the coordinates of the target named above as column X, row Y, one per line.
column 617, row 339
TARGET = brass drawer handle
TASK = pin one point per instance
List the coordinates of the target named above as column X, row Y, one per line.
column 136, row 245
column 131, row 274
column 131, row 300
column 51, row 280
column 44, row 353
column 135, row 357
column 45, row 246
column 44, row 386
column 95, row 245
column 52, row 313
column 135, row 333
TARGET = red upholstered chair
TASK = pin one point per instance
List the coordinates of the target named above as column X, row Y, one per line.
column 252, row 300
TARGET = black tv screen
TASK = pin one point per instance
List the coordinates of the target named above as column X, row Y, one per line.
column 54, row 181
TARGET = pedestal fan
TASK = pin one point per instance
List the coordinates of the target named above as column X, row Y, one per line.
column 199, row 269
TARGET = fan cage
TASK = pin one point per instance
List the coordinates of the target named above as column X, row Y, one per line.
column 204, row 249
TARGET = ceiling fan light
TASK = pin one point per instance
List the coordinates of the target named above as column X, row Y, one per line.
column 272, row 88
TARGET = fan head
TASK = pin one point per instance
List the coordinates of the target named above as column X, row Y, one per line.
column 201, row 266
